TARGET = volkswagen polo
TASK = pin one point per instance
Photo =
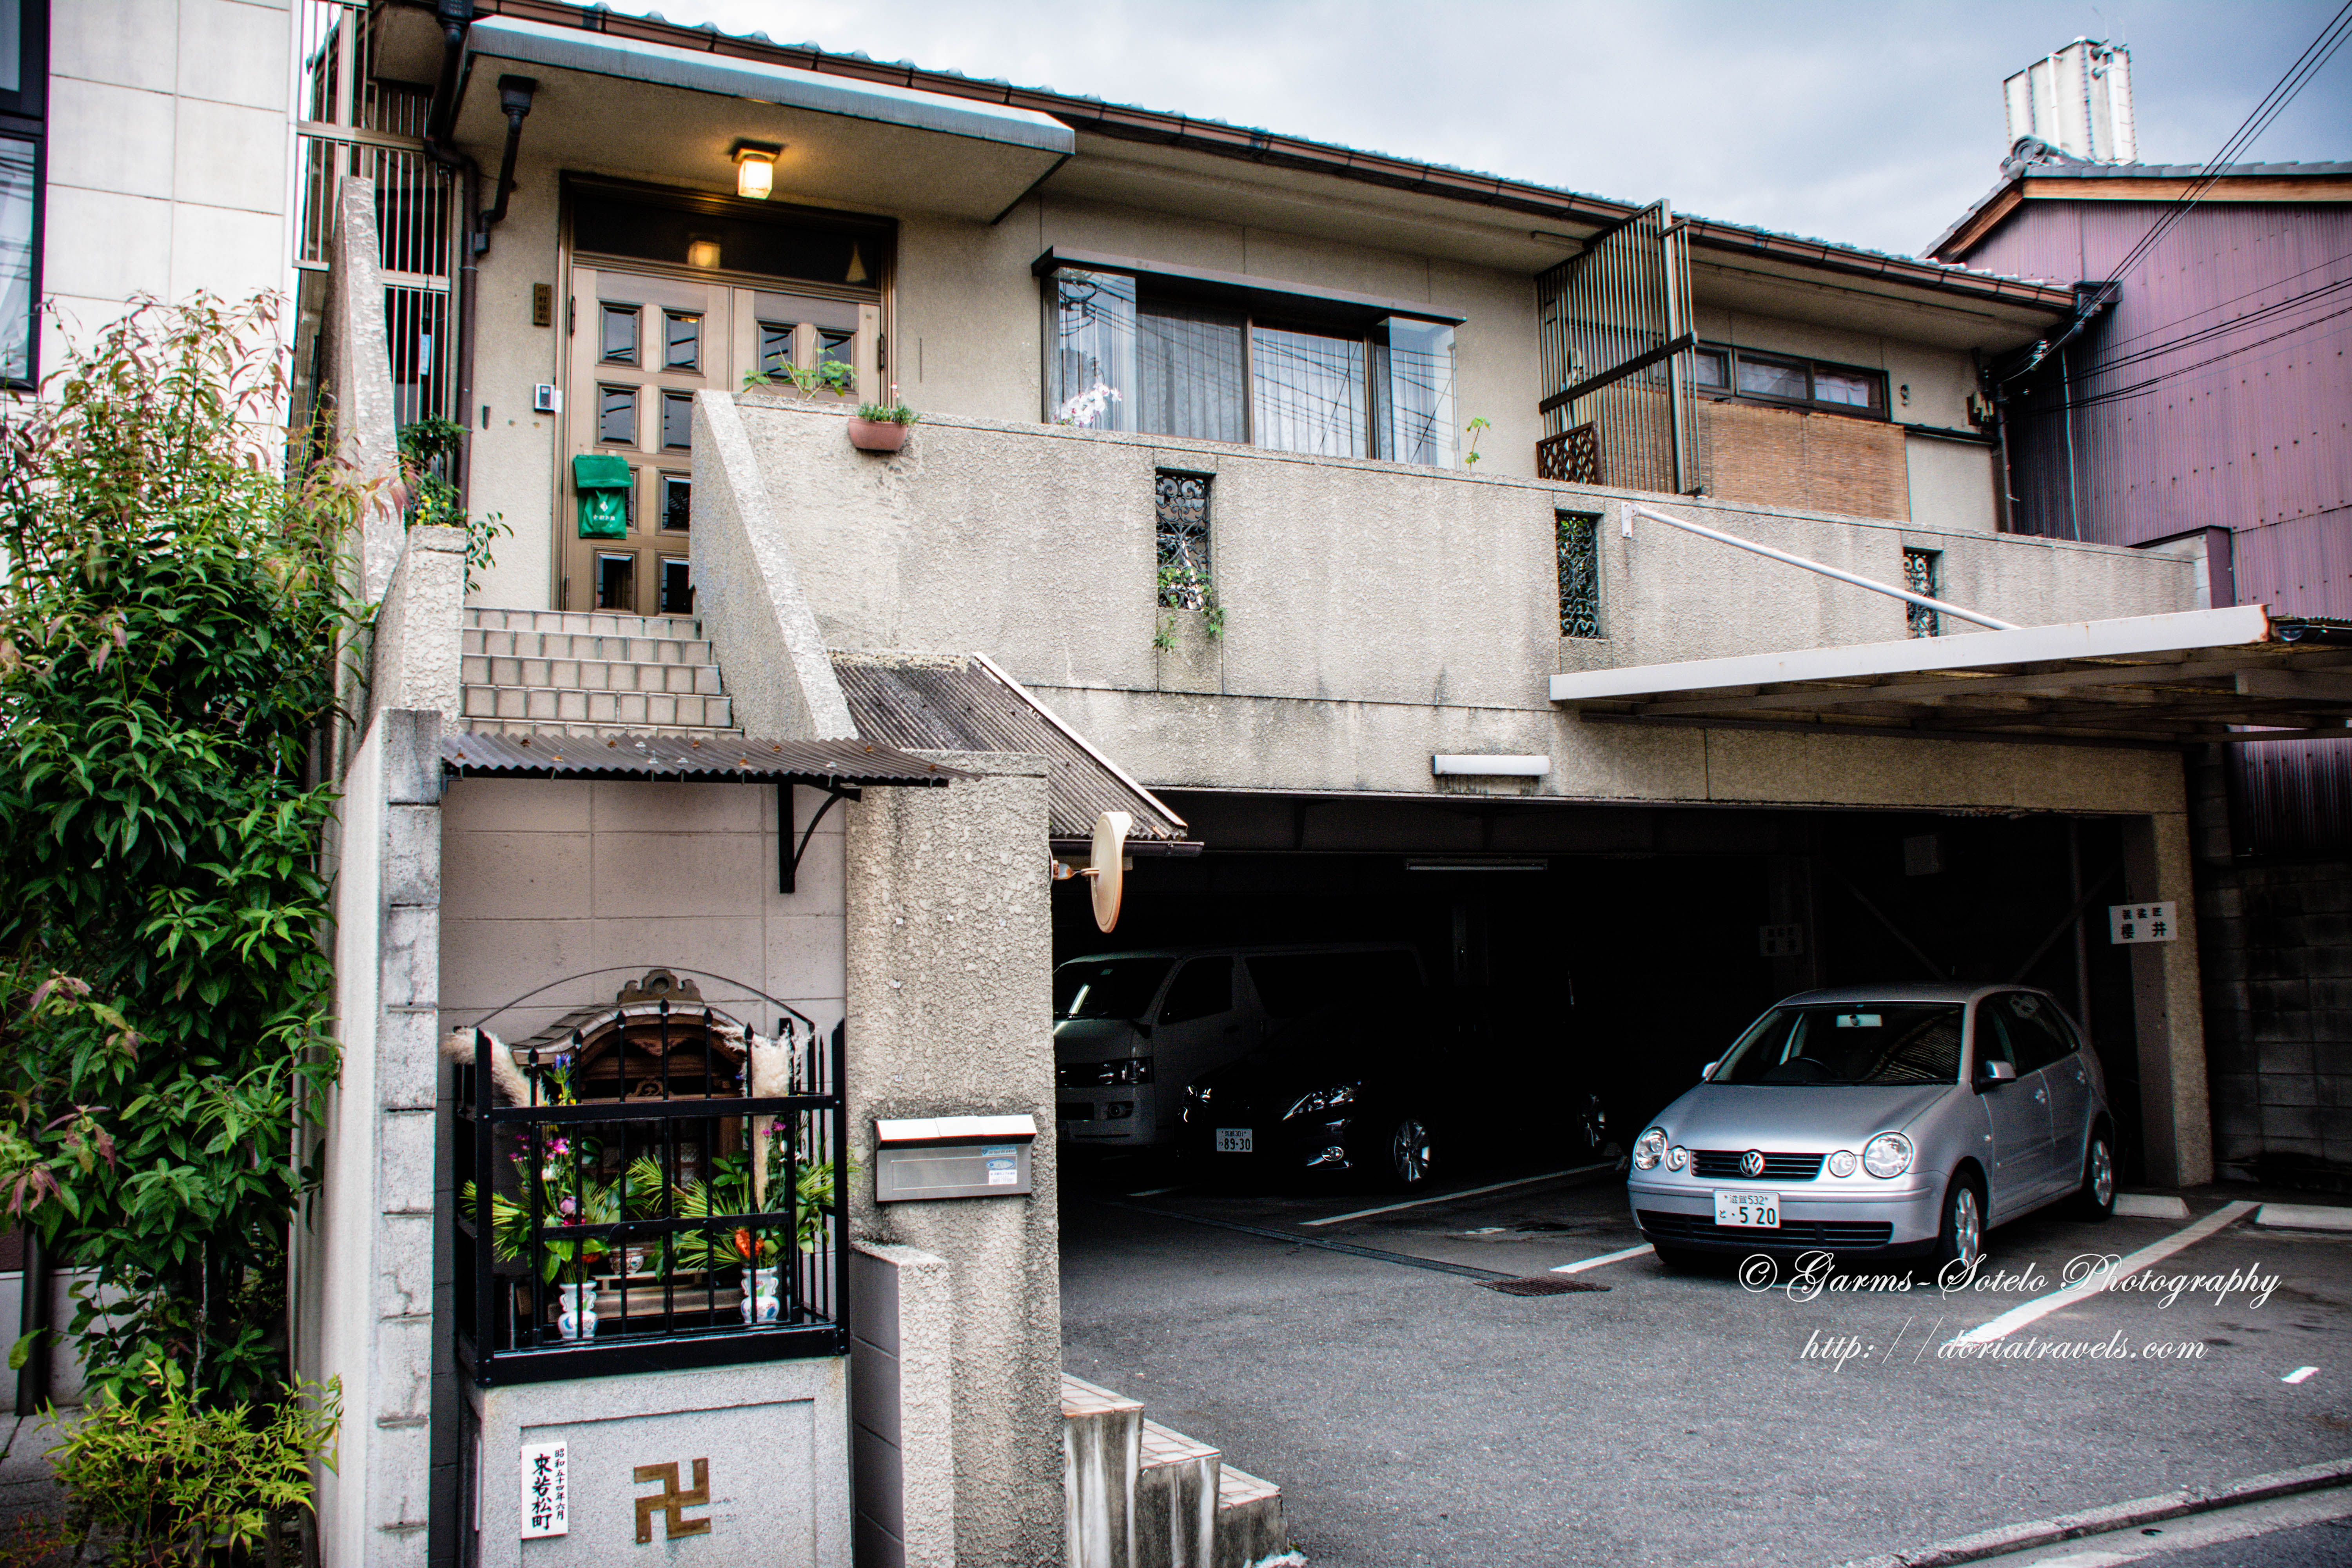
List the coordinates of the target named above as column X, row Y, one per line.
column 1895, row 1121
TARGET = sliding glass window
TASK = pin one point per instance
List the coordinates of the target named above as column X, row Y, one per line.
column 1129, row 353
column 18, row 190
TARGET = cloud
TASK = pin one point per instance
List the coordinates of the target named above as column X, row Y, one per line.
column 1870, row 124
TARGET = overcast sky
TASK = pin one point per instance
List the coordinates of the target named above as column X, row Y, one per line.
column 1873, row 124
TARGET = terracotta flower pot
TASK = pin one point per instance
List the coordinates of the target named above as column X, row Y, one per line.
column 877, row 435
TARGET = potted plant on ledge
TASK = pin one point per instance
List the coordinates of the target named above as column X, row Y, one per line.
column 881, row 426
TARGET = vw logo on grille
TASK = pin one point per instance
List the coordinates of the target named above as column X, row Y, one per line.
column 1752, row 1164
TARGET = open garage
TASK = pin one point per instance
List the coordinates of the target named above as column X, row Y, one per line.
column 1613, row 951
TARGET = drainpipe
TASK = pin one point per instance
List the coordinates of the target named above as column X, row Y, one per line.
column 34, row 1317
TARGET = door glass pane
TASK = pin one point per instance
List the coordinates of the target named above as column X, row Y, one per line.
column 1090, row 349
column 1764, row 378
column 1416, row 388
column 775, row 348
column 15, row 260
column 678, row 420
column 2033, row 1033
column 676, row 587
column 1188, row 372
column 1308, row 391
column 683, row 340
column 616, row 415
column 616, row 583
column 677, row 502
column 620, row 340
column 837, row 348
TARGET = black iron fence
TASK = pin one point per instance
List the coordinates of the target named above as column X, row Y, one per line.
column 628, row 1203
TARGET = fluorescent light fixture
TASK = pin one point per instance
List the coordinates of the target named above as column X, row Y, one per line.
column 1475, row 863
column 1485, row 765
column 755, row 168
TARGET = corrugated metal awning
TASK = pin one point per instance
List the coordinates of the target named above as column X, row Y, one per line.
column 687, row 759
column 963, row 702
column 2231, row 675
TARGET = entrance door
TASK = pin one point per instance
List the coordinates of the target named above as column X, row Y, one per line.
column 643, row 343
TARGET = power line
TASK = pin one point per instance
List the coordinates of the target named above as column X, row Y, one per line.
column 2141, row 388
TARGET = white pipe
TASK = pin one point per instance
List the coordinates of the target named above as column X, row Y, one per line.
column 1781, row 555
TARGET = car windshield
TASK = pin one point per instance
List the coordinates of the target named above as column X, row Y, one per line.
column 1107, row 987
column 1849, row 1043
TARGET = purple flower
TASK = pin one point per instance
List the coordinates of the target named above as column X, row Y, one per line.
column 567, row 1206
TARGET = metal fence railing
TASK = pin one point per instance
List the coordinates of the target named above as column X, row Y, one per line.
column 1613, row 333
column 626, row 1202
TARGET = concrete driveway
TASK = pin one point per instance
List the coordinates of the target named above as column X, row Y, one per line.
column 1416, row 1417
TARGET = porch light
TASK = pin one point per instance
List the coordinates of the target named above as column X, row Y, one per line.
column 755, row 168
column 702, row 254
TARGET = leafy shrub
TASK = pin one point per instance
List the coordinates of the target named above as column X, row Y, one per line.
column 170, row 1482
column 170, row 609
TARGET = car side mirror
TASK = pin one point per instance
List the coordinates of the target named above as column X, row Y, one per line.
column 1706, row 1073
column 1992, row 1075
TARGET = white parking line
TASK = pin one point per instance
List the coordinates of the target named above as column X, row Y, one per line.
column 2041, row 1307
column 2300, row 1374
column 1604, row 1258
column 1470, row 1193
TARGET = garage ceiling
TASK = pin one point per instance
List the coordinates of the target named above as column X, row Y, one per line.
column 2235, row 674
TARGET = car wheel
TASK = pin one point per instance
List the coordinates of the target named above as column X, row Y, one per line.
column 1959, row 1242
column 1681, row 1261
column 1405, row 1151
column 2096, row 1198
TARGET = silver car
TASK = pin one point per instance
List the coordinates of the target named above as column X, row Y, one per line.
column 1899, row 1120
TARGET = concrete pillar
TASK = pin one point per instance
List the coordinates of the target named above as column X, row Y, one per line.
column 949, row 970
column 2167, row 1007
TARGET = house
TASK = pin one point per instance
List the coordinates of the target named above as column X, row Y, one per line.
column 1615, row 605
column 2200, row 394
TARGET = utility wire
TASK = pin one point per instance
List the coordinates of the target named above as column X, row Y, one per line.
column 2140, row 388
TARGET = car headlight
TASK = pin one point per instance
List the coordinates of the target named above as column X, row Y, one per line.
column 1888, row 1154
column 1322, row 1099
column 1843, row 1163
column 1649, row 1148
column 1677, row 1157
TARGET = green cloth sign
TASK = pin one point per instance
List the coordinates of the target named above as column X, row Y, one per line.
column 603, row 481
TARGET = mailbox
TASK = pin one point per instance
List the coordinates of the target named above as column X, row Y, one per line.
column 951, row 1157
column 602, row 481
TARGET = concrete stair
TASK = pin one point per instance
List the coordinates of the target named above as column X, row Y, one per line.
column 569, row 672
column 1139, row 1495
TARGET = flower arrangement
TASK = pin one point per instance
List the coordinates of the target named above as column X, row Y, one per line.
column 1083, row 408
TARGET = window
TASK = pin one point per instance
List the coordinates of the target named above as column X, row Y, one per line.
column 677, row 421
column 1923, row 571
column 1203, row 988
column 24, row 102
column 620, row 339
column 1580, row 573
column 677, row 502
column 1787, row 379
column 616, row 415
column 616, row 582
column 775, row 348
column 835, row 346
column 2036, row 1038
column 1182, row 502
column 682, row 347
column 1201, row 359
column 676, row 587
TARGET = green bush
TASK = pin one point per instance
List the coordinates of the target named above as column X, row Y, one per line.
column 170, row 609
column 167, row 1481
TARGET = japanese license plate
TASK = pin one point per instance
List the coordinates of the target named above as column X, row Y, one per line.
column 1233, row 1140
column 1759, row 1210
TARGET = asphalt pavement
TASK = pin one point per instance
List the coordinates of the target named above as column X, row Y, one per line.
column 1413, row 1414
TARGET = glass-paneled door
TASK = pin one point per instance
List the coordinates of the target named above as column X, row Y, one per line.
column 643, row 343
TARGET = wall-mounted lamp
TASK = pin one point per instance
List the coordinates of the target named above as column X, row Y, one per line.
column 755, row 168
column 703, row 253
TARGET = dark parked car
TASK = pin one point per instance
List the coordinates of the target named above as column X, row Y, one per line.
column 1400, row 1094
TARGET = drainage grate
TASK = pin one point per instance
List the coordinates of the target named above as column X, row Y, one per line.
column 1541, row 1285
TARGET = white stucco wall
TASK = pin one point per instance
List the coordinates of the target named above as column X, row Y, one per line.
column 167, row 155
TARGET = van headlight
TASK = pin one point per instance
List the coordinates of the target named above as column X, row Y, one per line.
column 1649, row 1148
column 1886, row 1156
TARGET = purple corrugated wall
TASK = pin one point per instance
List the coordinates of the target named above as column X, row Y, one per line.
column 2217, row 392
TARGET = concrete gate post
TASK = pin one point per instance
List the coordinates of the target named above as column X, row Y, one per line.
column 2168, row 1014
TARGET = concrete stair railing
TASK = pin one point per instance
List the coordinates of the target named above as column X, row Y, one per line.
column 1138, row 1495
column 591, row 673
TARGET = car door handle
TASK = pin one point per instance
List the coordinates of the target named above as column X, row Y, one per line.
column 2042, row 1095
